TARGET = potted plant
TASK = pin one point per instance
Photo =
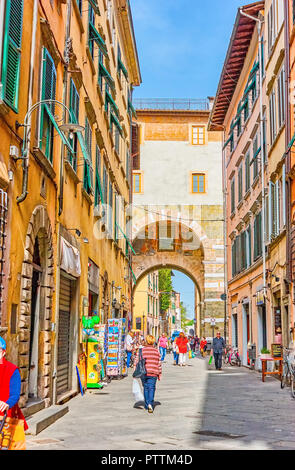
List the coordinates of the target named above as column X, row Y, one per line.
column 265, row 354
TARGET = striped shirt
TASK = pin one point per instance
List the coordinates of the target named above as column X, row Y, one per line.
column 153, row 362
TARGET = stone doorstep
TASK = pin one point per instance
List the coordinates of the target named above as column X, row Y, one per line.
column 41, row 420
column 33, row 407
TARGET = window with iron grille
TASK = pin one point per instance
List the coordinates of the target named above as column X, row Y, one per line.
column 3, row 222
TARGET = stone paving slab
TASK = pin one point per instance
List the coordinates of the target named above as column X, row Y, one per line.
column 200, row 409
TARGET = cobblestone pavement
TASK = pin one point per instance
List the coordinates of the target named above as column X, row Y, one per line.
column 200, row 409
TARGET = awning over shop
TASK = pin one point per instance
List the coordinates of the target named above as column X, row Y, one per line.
column 69, row 258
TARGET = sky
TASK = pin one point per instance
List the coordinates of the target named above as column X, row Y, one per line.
column 186, row 287
column 182, row 45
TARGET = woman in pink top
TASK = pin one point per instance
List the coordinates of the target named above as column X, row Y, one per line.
column 163, row 343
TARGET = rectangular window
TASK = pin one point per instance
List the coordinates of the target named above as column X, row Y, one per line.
column 281, row 97
column 247, row 172
column 257, row 237
column 11, row 58
column 272, row 117
column 47, row 93
column 233, row 198
column 100, row 65
column 117, row 140
column 271, row 20
column 88, row 169
column 198, row 135
column 240, row 182
column 246, row 109
column 198, row 183
column 110, row 210
column 74, row 117
column 105, row 185
column 88, row 136
column 98, row 188
column 137, row 182
column 274, row 209
column 91, row 20
column 255, row 157
column 248, row 247
column 233, row 258
column 264, row 145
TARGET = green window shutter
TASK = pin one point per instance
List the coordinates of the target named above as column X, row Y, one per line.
column 74, row 102
column 98, row 189
column 47, row 93
column 12, row 52
column 103, row 71
column 88, row 169
column 74, row 117
column 88, row 177
column 110, row 210
column 105, row 185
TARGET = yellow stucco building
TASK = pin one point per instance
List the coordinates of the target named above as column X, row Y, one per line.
column 64, row 188
column 146, row 310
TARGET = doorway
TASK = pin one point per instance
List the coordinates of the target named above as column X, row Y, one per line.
column 246, row 333
column 262, row 331
column 33, row 378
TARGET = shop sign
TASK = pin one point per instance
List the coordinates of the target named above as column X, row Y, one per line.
column 260, row 300
column 276, row 350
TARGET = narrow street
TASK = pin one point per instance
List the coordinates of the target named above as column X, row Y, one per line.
column 200, row 409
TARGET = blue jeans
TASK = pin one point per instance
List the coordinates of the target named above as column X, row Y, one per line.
column 162, row 352
column 149, row 388
column 176, row 356
column 129, row 354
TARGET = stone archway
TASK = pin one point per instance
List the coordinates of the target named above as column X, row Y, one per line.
column 39, row 229
column 173, row 245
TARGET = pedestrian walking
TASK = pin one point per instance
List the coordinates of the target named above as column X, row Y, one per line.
column 182, row 343
column 175, row 352
column 129, row 344
column 10, row 388
column 218, row 348
column 153, row 365
column 203, row 346
column 192, row 343
column 197, row 343
column 163, row 344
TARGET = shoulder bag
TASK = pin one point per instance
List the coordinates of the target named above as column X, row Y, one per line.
column 140, row 370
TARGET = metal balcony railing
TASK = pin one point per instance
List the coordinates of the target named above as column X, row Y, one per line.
column 171, row 104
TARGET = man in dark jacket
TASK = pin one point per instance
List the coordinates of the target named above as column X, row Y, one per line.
column 218, row 348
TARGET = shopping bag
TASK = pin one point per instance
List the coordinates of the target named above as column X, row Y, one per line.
column 136, row 390
column 210, row 360
column 13, row 435
column 190, row 354
column 140, row 370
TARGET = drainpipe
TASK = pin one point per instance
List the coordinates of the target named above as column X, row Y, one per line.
column 65, row 94
column 288, row 137
column 26, row 150
column 262, row 146
column 225, row 234
column 224, row 192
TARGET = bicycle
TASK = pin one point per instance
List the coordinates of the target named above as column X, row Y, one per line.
column 234, row 357
column 288, row 371
column 227, row 355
